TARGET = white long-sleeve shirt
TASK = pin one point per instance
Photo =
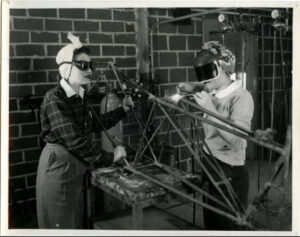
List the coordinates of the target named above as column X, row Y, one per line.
column 235, row 104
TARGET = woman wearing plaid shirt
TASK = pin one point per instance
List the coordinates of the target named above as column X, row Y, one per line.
column 67, row 126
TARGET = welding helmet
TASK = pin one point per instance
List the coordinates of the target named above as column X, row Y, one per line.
column 211, row 58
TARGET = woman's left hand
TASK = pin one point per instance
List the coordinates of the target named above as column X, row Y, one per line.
column 204, row 99
column 127, row 103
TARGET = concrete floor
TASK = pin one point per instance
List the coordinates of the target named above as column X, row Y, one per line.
column 177, row 216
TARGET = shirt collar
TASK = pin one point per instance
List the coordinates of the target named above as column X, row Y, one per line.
column 228, row 90
column 69, row 90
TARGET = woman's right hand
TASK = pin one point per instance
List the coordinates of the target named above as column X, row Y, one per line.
column 119, row 153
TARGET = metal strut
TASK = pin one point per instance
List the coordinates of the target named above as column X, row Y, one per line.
column 241, row 220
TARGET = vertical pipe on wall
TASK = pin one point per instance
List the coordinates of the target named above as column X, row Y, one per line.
column 262, row 99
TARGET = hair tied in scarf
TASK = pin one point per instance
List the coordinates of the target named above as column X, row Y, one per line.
column 226, row 56
column 66, row 55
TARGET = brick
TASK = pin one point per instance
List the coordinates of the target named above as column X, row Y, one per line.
column 122, row 15
column 194, row 42
column 86, row 26
column 18, row 37
column 13, row 131
column 186, row 59
column 31, row 77
column 32, row 155
column 166, row 28
column 23, row 143
column 28, row 24
column 30, row 50
column 100, row 38
column 124, row 38
column 22, row 169
column 130, row 129
column 101, row 14
column 192, row 75
column 31, row 129
column 126, row 62
column 17, row 183
column 82, row 36
column 162, row 75
column 31, row 180
column 45, row 63
column 186, row 29
column 20, row 117
column 160, row 42
column 72, row 13
column 40, row 90
column 130, row 51
column 17, row 12
column 94, row 50
column 16, row 64
column 13, row 105
column 23, row 196
column 19, row 91
column 11, row 51
column 12, row 77
column 178, row 75
column 46, row 37
column 168, row 59
column 52, row 50
column 129, row 27
column 53, row 76
column 15, row 157
column 59, row 25
column 43, row 12
column 177, row 42
column 112, row 27
column 199, row 29
column 113, row 50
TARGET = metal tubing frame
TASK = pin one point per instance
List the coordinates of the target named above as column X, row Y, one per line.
column 196, row 157
column 237, row 220
column 240, row 220
column 276, row 147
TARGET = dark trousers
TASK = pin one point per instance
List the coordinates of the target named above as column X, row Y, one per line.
column 59, row 189
column 238, row 177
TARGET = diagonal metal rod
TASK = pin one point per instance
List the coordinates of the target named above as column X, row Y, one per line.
column 114, row 69
column 276, row 147
column 183, row 137
column 144, row 132
column 168, row 170
column 225, row 120
column 173, row 190
column 152, row 137
column 282, row 164
column 242, row 135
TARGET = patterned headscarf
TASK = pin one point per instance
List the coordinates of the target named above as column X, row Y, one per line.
column 227, row 59
column 66, row 55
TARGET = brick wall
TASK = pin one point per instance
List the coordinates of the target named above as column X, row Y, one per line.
column 36, row 36
column 174, row 49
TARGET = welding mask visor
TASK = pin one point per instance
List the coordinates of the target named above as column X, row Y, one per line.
column 207, row 71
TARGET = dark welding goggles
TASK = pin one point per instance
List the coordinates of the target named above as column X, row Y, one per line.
column 81, row 65
column 207, row 71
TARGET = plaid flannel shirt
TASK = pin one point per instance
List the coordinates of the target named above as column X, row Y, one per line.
column 68, row 121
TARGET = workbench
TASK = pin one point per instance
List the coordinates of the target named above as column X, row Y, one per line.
column 134, row 190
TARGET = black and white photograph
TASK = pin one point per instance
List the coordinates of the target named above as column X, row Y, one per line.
column 149, row 119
